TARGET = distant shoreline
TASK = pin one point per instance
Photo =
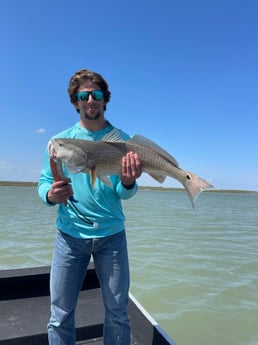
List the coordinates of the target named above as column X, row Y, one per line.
column 18, row 184
column 146, row 188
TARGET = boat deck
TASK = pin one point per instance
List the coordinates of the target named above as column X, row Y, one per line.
column 25, row 311
column 27, row 318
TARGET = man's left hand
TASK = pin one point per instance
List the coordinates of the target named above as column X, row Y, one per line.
column 131, row 168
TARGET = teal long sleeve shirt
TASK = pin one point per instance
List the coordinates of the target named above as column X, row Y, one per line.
column 100, row 205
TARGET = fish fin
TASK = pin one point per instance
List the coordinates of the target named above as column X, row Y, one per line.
column 113, row 136
column 92, row 177
column 194, row 185
column 141, row 140
column 106, row 180
column 159, row 178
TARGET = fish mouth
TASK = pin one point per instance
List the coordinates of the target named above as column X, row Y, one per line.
column 51, row 149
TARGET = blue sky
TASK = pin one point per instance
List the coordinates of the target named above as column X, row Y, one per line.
column 181, row 72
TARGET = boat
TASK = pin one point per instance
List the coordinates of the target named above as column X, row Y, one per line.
column 25, row 308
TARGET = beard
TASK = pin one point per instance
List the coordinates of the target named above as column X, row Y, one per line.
column 89, row 117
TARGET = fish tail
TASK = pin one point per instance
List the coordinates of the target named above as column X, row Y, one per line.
column 194, row 185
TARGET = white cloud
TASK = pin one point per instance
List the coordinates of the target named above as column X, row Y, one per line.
column 40, row 131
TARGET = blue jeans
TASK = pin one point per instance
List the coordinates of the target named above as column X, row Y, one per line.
column 70, row 261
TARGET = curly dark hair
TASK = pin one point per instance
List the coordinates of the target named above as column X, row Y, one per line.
column 85, row 75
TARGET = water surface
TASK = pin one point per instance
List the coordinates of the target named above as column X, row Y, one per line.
column 196, row 272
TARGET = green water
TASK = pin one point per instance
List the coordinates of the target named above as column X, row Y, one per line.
column 196, row 272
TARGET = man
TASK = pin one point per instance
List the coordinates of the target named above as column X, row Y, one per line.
column 78, row 237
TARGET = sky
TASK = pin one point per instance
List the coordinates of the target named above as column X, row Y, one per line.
column 182, row 73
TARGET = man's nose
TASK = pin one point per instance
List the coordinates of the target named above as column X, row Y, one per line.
column 90, row 99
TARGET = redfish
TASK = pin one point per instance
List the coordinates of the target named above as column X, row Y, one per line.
column 103, row 158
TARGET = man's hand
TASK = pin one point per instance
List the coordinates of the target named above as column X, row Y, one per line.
column 60, row 192
column 131, row 168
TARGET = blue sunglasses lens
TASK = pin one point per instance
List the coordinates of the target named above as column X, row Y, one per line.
column 97, row 95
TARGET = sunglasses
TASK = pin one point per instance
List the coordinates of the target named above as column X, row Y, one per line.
column 97, row 95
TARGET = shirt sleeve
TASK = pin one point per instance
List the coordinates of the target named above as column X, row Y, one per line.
column 125, row 193
column 45, row 180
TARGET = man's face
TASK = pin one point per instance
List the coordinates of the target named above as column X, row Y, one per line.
column 90, row 108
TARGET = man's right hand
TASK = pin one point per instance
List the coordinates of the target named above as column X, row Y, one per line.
column 60, row 192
